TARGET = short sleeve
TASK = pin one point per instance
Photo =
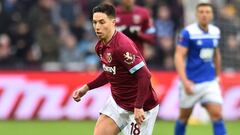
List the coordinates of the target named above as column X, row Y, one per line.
column 130, row 57
column 183, row 38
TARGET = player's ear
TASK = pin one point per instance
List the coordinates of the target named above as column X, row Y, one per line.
column 114, row 21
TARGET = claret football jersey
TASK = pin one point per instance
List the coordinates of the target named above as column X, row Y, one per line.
column 120, row 60
column 137, row 19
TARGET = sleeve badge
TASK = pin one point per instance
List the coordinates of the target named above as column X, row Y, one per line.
column 129, row 58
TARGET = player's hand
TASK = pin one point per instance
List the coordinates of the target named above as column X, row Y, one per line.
column 188, row 87
column 139, row 116
column 80, row 92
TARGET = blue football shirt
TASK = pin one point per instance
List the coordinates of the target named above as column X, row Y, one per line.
column 200, row 56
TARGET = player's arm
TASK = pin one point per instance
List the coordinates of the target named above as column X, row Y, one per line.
column 144, row 77
column 98, row 82
column 148, row 36
column 132, row 60
column 217, row 61
column 149, row 33
column 133, row 33
column 179, row 60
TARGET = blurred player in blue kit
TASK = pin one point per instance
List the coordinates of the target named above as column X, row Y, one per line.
column 198, row 63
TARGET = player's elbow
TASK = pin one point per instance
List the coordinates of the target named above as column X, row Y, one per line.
column 148, row 76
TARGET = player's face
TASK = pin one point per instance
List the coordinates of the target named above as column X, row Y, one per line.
column 103, row 25
column 204, row 15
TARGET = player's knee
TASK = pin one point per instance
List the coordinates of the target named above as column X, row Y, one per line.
column 216, row 115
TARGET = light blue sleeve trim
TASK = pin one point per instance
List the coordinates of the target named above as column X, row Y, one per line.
column 151, row 30
column 136, row 67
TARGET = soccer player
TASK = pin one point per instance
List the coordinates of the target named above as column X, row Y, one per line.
column 135, row 22
column 198, row 63
column 132, row 105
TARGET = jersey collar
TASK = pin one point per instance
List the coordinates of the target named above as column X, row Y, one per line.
column 204, row 31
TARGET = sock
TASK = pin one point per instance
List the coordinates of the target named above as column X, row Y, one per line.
column 179, row 128
column 219, row 128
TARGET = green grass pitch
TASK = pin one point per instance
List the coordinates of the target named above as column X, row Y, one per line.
column 86, row 128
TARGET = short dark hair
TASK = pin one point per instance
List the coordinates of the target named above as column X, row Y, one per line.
column 106, row 8
column 204, row 4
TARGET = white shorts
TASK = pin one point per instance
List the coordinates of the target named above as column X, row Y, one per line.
column 206, row 92
column 125, row 119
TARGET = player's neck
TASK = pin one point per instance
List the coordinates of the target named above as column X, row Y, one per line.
column 128, row 8
column 111, row 34
column 203, row 27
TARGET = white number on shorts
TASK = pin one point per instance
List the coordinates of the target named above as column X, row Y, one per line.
column 135, row 129
column 206, row 53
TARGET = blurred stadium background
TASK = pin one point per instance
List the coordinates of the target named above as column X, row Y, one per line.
column 47, row 50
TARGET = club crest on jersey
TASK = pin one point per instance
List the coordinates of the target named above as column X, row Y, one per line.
column 129, row 58
column 109, row 57
column 136, row 19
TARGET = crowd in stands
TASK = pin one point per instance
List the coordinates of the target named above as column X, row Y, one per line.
column 57, row 35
